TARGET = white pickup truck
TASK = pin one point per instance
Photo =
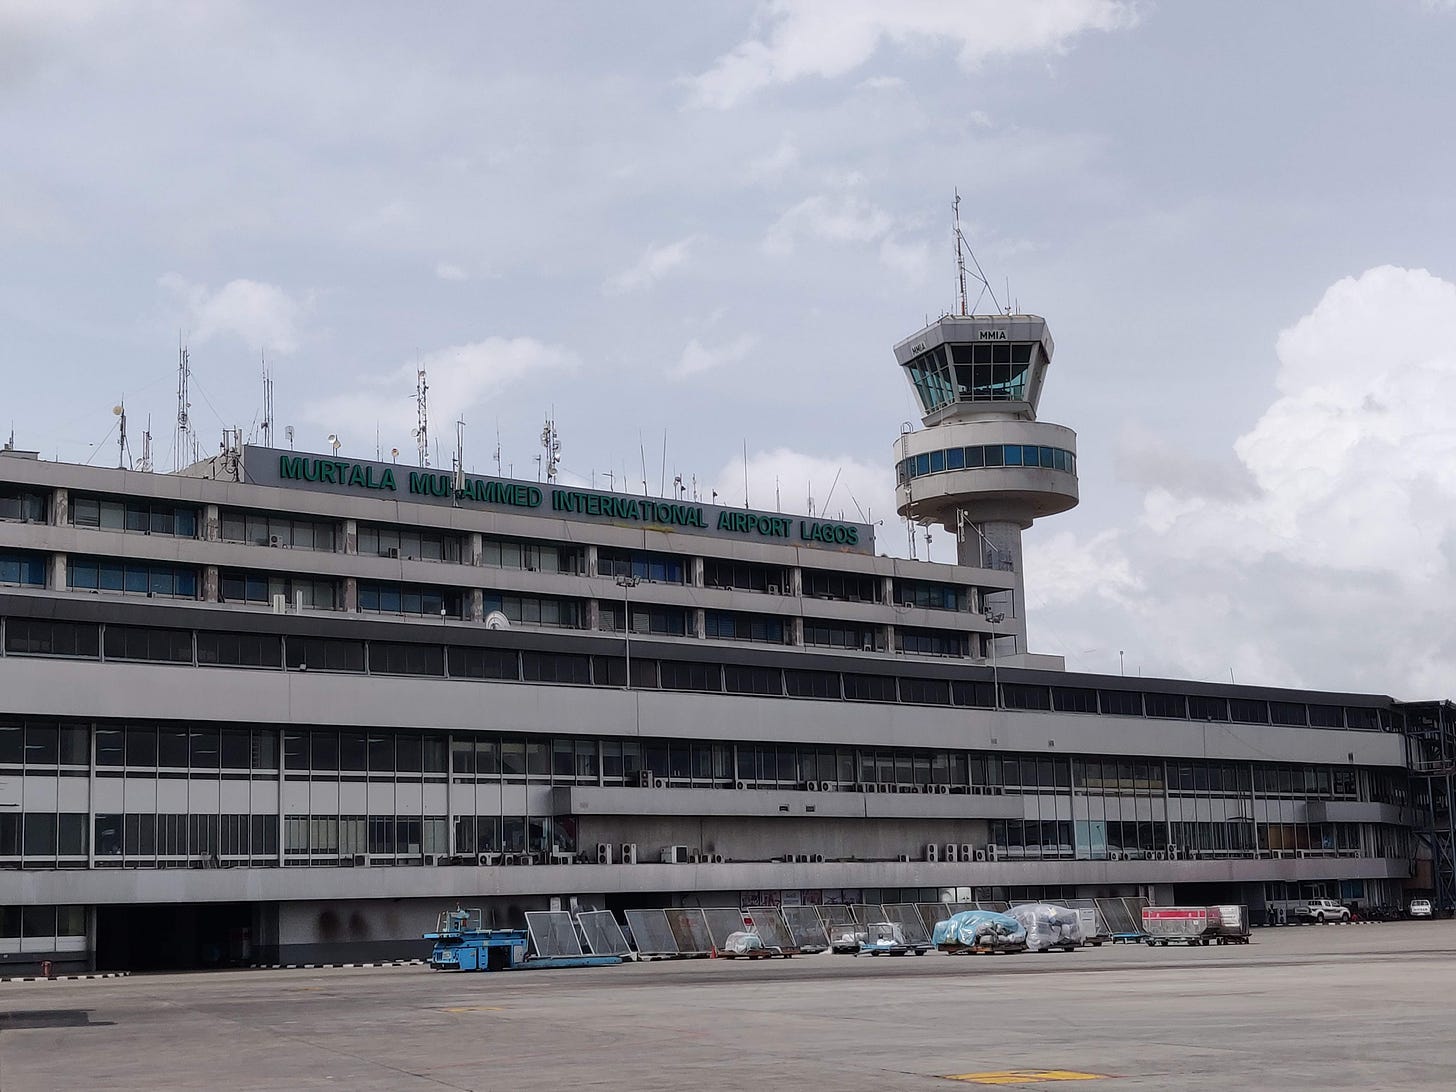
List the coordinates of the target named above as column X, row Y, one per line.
column 1320, row 911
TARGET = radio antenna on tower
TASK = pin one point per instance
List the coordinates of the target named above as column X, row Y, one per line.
column 962, row 248
column 551, row 442
column 422, row 411
column 459, row 467
column 183, row 442
column 267, row 429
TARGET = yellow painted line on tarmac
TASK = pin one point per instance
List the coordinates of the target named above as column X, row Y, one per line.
column 1024, row 1076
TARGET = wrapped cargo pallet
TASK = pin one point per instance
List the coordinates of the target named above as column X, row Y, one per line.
column 979, row 930
column 1048, row 926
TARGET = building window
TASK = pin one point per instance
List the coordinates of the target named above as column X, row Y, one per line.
column 928, row 596
column 1166, row 705
column 484, row 663
column 812, row 684
column 822, row 634
column 409, row 599
column 869, row 688
column 239, row 650
column 752, row 680
column 531, row 610
column 928, row 642
column 411, row 544
column 556, row 667
column 1022, row 696
column 324, row 654
column 687, row 676
column 24, row 570
column 156, row 645
column 850, row 587
column 151, row 518
column 32, row 636
column 132, row 578
column 1206, row 708
column 654, row 568
column 388, row 658
column 722, row 625
column 236, row 586
column 743, row 576
column 1074, row 699
column 21, row 504
column 261, row 529
column 532, row 556
column 1121, row 703
column 925, row 691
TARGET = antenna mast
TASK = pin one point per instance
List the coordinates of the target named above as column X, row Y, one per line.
column 120, row 411
column 459, row 467
column 267, row 428
column 183, row 442
column 422, row 412
column 146, row 464
column 960, row 241
column 551, row 442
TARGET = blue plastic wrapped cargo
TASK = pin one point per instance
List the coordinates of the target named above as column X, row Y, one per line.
column 979, row 931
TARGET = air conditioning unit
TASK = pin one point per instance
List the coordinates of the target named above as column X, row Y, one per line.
column 1160, row 855
column 740, row 785
column 932, row 852
column 1114, row 855
column 773, row 589
column 908, row 606
column 817, row 858
column 360, row 860
column 487, row 859
column 629, row 853
column 993, row 851
column 392, row 552
column 903, row 858
column 280, row 603
column 273, row 540
column 943, row 790
column 644, row 779
column 952, row 853
column 604, row 853
column 430, row 860
column 717, row 858
column 674, row 854
column 980, row 855
column 801, row 858
column 829, row 786
column 810, row 786
column 659, row 782
column 1174, row 852
column 966, row 856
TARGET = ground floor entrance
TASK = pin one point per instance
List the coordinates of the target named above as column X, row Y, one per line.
column 177, row 937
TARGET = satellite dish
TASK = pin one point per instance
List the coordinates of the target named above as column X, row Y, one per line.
column 496, row 620
column 116, row 411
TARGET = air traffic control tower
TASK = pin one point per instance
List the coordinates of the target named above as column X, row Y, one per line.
column 984, row 467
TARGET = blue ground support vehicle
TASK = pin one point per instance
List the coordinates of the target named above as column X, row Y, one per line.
column 462, row 943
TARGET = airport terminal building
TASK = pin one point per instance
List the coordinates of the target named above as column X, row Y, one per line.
column 285, row 707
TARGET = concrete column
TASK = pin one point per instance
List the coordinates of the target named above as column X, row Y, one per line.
column 796, row 632
column 591, row 560
column 351, row 594
column 887, row 589
column 697, row 571
column 351, row 538
column 477, row 604
column 796, row 582
column 475, row 548
column 60, row 506
column 211, row 591
column 593, row 614
column 889, row 639
column 57, row 581
column 699, row 623
column 212, row 526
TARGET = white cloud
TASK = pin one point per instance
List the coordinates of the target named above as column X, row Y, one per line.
column 841, row 486
column 655, row 263
column 698, row 358
column 1334, row 568
column 261, row 315
column 909, row 260
column 449, row 271
column 460, row 377
column 836, row 219
column 777, row 163
column 829, row 40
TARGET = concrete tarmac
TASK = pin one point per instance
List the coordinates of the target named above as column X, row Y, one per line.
column 1317, row 1007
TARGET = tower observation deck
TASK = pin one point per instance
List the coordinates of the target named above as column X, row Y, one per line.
column 983, row 466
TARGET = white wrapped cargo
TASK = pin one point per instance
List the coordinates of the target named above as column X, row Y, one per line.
column 1048, row 926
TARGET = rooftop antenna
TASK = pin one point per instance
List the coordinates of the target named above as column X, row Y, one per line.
column 267, row 428
column 962, row 248
column 183, row 439
column 745, row 472
column 459, row 467
column 422, row 415
column 497, row 448
column 551, row 443
column 119, row 410
column 288, row 431
column 145, row 466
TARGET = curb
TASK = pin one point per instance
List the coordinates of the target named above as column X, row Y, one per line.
column 323, row 966
column 68, row 977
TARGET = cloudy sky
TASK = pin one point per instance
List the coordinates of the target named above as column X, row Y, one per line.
column 702, row 228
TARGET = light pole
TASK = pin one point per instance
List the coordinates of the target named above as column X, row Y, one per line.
column 627, row 583
column 994, row 618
